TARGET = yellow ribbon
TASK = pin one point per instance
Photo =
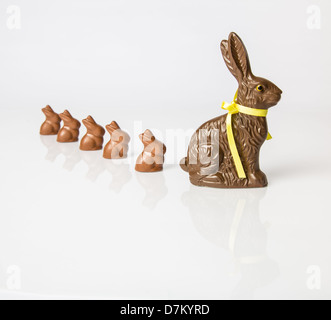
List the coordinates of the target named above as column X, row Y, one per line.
column 234, row 108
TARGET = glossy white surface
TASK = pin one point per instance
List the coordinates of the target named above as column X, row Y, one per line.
column 77, row 225
column 74, row 225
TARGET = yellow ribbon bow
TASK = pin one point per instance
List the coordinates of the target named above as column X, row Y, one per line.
column 234, row 108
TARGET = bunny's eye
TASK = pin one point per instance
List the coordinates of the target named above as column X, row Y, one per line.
column 259, row 88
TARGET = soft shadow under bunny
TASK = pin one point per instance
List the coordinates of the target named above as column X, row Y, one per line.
column 231, row 220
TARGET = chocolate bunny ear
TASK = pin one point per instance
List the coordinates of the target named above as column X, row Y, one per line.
column 236, row 57
column 226, row 57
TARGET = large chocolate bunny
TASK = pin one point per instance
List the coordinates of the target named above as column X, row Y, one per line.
column 209, row 159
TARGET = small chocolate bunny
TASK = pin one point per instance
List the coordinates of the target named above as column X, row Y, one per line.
column 51, row 125
column 93, row 140
column 70, row 130
column 152, row 158
column 117, row 147
column 209, row 160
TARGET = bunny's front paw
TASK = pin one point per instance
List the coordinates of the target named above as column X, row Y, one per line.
column 257, row 180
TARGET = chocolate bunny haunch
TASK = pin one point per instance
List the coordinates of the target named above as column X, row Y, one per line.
column 93, row 139
column 70, row 130
column 209, row 160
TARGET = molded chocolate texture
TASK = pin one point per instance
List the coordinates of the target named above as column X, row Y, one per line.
column 93, row 139
column 70, row 130
column 152, row 158
column 118, row 145
column 51, row 125
column 209, row 161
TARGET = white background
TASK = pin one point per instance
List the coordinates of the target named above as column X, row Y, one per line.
column 78, row 226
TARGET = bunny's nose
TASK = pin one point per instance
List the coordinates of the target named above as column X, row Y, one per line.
column 279, row 91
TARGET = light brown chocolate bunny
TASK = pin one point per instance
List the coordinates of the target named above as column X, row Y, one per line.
column 51, row 125
column 209, row 160
column 93, row 139
column 117, row 147
column 152, row 158
column 70, row 130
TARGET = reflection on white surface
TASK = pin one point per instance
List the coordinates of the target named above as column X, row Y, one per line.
column 69, row 150
column 95, row 164
column 71, row 154
column 74, row 238
column 120, row 172
column 53, row 148
column 155, row 188
column 153, row 183
column 231, row 220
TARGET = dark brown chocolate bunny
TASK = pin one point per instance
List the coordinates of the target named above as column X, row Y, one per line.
column 209, row 160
